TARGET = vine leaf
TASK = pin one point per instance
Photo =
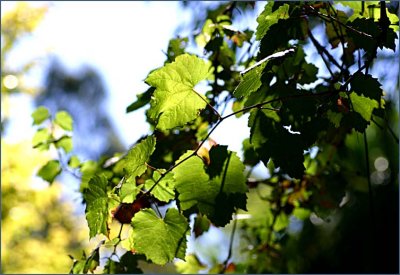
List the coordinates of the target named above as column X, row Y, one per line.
column 160, row 240
column 366, row 85
column 215, row 190
column 175, row 102
column 50, row 171
column 64, row 120
column 97, row 205
column 363, row 105
column 164, row 190
column 250, row 83
column 40, row 115
column 134, row 163
column 65, row 142
column 268, row 18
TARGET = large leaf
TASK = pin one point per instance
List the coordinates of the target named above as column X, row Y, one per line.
column 97, row 205
column 160, row 240
column 175, row 102
column 215, row 190
column 134, row 163
column 268, row 17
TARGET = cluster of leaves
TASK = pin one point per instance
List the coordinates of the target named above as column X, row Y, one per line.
column 293, row 107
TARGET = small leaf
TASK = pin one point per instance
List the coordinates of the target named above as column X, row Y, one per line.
column 268, row 18
column 41, row 139
column 164, row 190
column 64, row 120
column 97, row 205
column 201, row 225
column 366, row 85
column 142, row 100
column 160, row 240
column 50, row 171
column 191, row 265
column 129, row 190
column 66, row 143
column 175, row 102
column 74, row 162
column 134, row 163
column 363, row 105
column 250, row 83
column 40, row 115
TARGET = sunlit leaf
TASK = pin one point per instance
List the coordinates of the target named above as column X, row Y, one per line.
column 40, row 115
column 64, row 120
column 268, row 18
column 50, row 171
column 97, row 205
column 160, row 240
column 175, row 102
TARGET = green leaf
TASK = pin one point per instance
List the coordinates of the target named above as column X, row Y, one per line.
column 201, row 225
column 175, row 102
column 366, row 85
column 363, row 105
column 191, row 265
column 268, row 18
column 128, row 264
column 250, row 83
column 93, row 260
column 74, row 162
column 160, row 240
column 97, row 205
column 40, row 115
column 50, row 171
column 134, row 163
column 130, row 190
column 142, row 99
column 64, row 120
column 164, row 190
column 41, row 139
column 334, row 117
column 66, row 143
column 215, row 190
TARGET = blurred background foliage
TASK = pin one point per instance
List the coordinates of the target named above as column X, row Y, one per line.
column 39, row 228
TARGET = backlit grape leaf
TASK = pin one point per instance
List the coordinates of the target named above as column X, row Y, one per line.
column 250, row 83
column 268, row 17
column 366, row 85
column 40, row 115
column 97, row 205
column 74, row 162
column 66, row 143
column 64, row 120
column 41, row 139
column 215, row 190
column 160, row 240
column 129, row 190
column 134, row 163
column 175, row 102
column 191, row 265
column 363, row 105
column 50, row 171
column 164, row 190
column 334, row 117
